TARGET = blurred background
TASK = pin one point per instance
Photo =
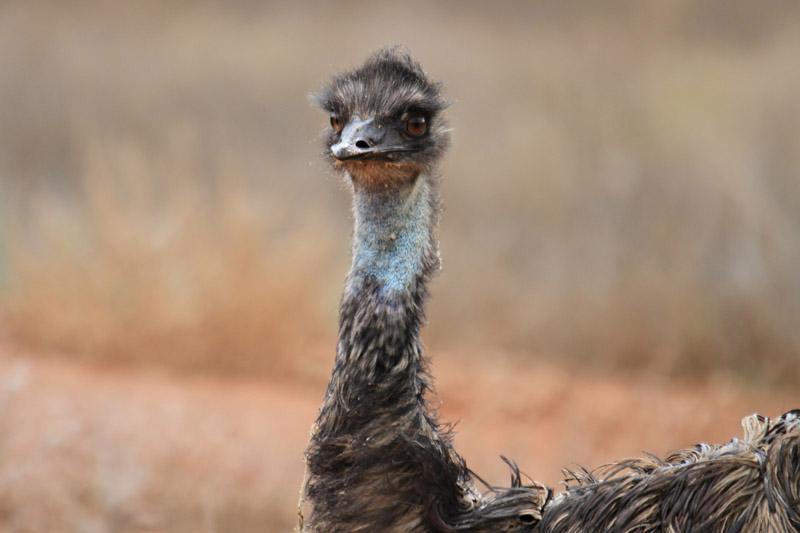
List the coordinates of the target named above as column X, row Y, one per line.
column 621, row 241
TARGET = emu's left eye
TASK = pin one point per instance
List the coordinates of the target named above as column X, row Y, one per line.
column 416, row 125
column 336, row 123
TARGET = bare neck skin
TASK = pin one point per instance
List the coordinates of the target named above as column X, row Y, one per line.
column 393, row 245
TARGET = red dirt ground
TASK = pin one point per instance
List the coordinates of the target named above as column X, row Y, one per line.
column 84, row 448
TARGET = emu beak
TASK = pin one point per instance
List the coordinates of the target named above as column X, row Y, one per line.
column 359, row 139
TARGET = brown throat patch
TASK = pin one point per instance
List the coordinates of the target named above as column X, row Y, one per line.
column 379, row 174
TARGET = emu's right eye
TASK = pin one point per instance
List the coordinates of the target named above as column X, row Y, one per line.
column 416, row 125
column 336, row 123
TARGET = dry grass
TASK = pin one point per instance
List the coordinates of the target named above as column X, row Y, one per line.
column 622, row 190
column 150, row 267
column 628, row 186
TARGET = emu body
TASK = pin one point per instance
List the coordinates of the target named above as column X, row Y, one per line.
column 378, row 458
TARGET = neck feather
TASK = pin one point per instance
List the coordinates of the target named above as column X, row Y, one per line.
column 375, row 424
column 395, row 253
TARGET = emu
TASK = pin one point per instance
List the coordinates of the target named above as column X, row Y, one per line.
column 378, row 458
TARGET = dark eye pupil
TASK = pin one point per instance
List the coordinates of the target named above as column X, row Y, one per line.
column 416, row 125
column 336, row 124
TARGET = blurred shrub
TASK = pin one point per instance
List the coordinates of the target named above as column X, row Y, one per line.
column 622, row 191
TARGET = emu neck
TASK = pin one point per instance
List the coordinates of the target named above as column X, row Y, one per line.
column 393, row 235
column 394, row 255
column 377, row 460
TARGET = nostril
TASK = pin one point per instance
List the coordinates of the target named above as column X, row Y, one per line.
column 362, row 144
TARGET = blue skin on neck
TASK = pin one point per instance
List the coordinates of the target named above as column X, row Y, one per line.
column 392, row 231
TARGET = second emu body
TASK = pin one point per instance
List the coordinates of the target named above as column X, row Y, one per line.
column 378, row 458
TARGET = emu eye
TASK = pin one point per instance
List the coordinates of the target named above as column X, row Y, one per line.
column 336, row 123
column 416, row 125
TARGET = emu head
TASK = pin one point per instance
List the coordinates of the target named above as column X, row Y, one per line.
column 386, row 120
